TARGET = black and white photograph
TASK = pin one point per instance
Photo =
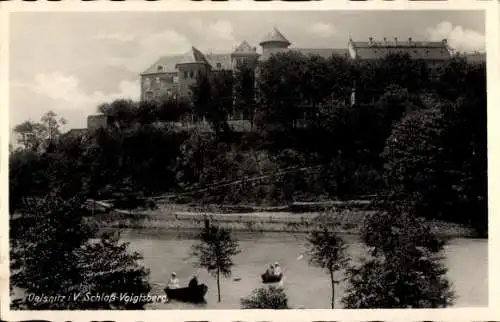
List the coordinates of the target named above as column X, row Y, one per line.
column 233, row 160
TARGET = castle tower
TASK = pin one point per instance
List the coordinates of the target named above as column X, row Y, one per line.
column 274, row 42
column 192, row 64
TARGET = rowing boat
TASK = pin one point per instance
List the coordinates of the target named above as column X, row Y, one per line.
column 269, row 278
column 187, row 294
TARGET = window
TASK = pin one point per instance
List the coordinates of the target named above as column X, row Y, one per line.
column 158, row 80
column 149, row 95
column 147, row 82
column 185, row 74
column 191, row 74
column 219, row 65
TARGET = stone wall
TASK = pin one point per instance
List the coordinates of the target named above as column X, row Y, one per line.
column 95, row 122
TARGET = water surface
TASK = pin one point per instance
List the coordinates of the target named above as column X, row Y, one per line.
column 306, row 286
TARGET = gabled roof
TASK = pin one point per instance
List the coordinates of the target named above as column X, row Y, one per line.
column 416, row 49
column 167, row 64
column 275, row 36
column 219, row 61
column 245, row 48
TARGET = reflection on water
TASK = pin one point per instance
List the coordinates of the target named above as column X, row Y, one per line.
column 306, row 286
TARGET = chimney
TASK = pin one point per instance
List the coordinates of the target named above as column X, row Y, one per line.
column 371, row 40
column 445, row 42
column 396, row 40
column 385, row 41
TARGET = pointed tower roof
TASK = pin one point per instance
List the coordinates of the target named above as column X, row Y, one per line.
column 275, row 36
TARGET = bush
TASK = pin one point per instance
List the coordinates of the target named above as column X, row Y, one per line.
column 271, row 297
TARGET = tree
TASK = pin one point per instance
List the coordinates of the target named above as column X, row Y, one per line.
column 459, row 78
column 394, row 69
column 215, row 251
column 279, row 85
column 244, row 90
column 421, row 162
column 53, row 125
column 122, row 113
column 109, row 266
column 34, row 136
column 327, row 251
column 174, row 109
column 270, row 298
column 404, row 269
column 52, row 254
column 212, row 97
column 325, row 80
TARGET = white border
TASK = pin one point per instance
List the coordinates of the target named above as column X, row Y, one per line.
column 493, row 72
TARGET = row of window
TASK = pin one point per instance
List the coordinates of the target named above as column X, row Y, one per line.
column 191, row 74
column 169, row 79
column 160, row 68
column 442, row 52
column 156, row 95
column 157, row 80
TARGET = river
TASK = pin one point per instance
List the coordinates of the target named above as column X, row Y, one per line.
column 306, row 286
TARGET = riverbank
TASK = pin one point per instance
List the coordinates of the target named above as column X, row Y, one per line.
column 286, row 219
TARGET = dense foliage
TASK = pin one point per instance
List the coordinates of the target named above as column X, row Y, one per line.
column 266, row 298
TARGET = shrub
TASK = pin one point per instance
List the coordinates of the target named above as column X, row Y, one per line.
column 271, row 297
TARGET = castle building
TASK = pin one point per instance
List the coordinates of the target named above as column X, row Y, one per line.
column 475, row 58
column 435, row 54
column 172, row 76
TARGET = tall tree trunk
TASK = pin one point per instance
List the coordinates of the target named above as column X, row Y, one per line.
column 333, row 289
column 252, row 119
column 218, row 283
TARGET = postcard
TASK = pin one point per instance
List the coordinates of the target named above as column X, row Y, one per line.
column 249, row 161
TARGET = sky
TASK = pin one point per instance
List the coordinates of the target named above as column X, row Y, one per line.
column 70, row 62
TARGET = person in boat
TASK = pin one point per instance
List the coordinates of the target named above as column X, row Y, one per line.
column 277, row 269
column 270, row 270
column 173, row 282
column 193, row 282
